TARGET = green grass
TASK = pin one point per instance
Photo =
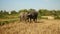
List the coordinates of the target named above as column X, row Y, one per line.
column 7, row 21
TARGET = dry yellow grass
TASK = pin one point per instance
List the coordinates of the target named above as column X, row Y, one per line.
column 43, row 27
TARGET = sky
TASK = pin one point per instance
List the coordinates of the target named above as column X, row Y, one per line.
column 27, row 4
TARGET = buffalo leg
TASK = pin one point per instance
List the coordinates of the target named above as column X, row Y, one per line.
column 34, row 19
column 30, row 20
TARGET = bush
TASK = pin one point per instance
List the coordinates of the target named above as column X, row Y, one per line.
column 39, row 16
column 57, row 17
column 3, row 16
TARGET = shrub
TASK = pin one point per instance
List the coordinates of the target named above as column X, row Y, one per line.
column 57, row 17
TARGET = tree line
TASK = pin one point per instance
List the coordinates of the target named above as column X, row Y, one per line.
column 42, row 12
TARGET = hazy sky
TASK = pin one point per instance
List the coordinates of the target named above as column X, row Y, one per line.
column 26, row 4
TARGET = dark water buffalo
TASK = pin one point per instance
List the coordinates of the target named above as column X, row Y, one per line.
column 32, row 15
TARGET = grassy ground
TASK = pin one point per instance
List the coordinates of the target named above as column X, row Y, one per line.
column 7, row 21
column 43, row 26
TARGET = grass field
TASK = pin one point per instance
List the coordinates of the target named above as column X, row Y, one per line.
column 43, row 26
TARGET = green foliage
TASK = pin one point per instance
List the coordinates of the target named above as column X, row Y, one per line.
column 1, row 16
column 13, row 12
column 41, row 12
column 7, row 21
column 5, row 12
column 44, row 12
column 30, row 10
column 24, row 10
column 57, row 17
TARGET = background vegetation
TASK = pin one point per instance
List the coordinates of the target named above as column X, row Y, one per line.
column 11, row 16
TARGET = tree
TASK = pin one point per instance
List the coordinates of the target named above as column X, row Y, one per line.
column 43, row 12
column 23, row 10
column 31, row 10
column 1, row 12
column 13, row 12
column 5, row 12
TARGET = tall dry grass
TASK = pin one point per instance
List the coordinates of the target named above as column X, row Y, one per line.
column 43, row 27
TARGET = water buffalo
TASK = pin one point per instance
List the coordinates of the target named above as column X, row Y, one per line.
column 23, row 16
column 32, row 15
column 28, row 16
